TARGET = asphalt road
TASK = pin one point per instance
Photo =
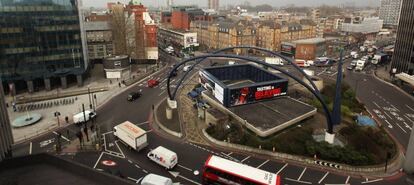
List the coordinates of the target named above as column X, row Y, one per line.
column 134, row 165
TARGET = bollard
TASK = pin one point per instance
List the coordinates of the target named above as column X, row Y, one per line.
column 274, row 149
column 260, row 147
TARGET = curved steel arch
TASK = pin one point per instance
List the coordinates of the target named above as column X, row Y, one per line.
column 318, row 96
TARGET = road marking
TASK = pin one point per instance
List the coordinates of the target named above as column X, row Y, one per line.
column 395, row 108
column 189, row 180
column 387, row 114
column 302, row 174
column 145, row 171
column 30, row 148
column 347, row 179
column 407, row 126
column 162, row 92
column 262, row 164
column 143, row 123
column 135, row 180
column 294, row 180
column 119, row 148
column 96, row 164
column 389, row 124
column 107, row 132
column 281, row 169
column 229, row 153
column 245, row 158
column 61, row 136
column 326, row 174
column 400, row 127
column 376, row 104
column 184, row 167
column 129, row 161
column 137, row 166
column 333, row 74
column 139, row 179
column 371, row 181
column 98, row 169
column 409, row 119
column 409, row 107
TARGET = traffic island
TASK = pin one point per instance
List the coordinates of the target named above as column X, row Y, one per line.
column 171, row 126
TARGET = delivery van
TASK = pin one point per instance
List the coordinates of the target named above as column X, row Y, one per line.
column 163, row 157
column 131, row 135
column 153, row 179
column 81, row 117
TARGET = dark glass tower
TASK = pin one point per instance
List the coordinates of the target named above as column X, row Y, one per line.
column 41, row 40
column 403, row 58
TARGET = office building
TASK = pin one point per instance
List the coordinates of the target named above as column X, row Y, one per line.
column 389, row 12
column 42, row 44
column 403, row 58
column 365, row 26
column 6, row 137
column 214, row 4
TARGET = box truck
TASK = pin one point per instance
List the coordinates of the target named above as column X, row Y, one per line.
column 360, row 65
column 163, row 157
column 131, row 135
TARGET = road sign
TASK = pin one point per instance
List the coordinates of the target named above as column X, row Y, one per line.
column 108, row 163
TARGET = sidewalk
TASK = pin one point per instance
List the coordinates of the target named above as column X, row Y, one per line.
column 49, row 122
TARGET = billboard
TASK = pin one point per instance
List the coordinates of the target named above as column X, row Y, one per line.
column 209, row 84
column 288, row 49
column 253, row 94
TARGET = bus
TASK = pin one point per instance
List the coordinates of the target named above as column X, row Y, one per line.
column 301, row 63
column 220, row 171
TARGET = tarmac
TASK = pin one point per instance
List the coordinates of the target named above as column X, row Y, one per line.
column 72, row 106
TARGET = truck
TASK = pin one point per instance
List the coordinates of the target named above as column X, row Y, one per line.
column 163, row 157
column 301, row 63
column 354, row 54
column 360, row 65
column 379, row 58
column 274, row 61
column 131, row 135
column 83, row 117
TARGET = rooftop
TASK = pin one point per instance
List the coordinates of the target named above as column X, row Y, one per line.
column 310, row 41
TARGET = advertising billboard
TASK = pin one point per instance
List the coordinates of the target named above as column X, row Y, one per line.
column 288, row 49
column 209, row 84
column 253, row 94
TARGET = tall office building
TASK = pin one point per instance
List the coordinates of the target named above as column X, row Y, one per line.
column 403, row 58
column 169, row 3
column 41, row 43
column 214, row 4
column 390, row 12
column 6, row 138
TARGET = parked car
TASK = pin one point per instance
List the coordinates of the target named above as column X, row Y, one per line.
column 133, row 96
column 152, row 83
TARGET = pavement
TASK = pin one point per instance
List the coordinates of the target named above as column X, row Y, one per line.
column 49, row 122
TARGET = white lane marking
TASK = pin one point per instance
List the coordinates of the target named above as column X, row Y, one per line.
column 101, row 170
column 129, row 161
column 334, row 74
column 409, row 107
column 371, row 181
column 407, row 126
column 347, row 179
column 122, row 153
column 326, row 174
column 97, row 161
column 245, row 158
column 132, row 179
column 139, row 180
column 107, row 132
column 229, row 153
column 262, row 164
column 184, row 167
column 30, row 148
column 137, row 166
column 395, row 108
column 189, row 180
column 294, row 180
column 400, row 127
column 409, row 119
column 162, row 92
column 389, row 124
column 387, row 114
column 145, row 171
column 303, row 172
column 143, row 123
column 281, row 169
column 61, row 136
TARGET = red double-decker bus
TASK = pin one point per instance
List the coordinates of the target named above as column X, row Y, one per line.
column 220, row 171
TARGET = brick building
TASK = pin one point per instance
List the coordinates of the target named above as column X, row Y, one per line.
column 309, row 49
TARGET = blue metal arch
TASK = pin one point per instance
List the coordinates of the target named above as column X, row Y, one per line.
column 201, row 58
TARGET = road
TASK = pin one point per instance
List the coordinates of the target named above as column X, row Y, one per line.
column 135, row 165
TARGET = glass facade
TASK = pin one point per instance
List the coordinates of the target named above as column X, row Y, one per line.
column 40, row 39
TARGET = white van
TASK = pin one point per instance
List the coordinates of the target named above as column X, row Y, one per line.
column 186, row 68
column 80, row 117
column 153, row 179
column 163, row 157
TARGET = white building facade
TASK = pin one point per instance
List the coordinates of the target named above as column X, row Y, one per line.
column 367, row 25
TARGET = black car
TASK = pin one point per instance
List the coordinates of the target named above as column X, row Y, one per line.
column 133, row 96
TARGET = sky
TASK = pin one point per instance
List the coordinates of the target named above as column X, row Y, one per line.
column 275, row 3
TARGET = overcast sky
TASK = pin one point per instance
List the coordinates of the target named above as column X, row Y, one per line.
column 276, row 3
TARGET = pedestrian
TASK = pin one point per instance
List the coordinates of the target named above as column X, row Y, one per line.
column 7, row 105
column 110, row 81
column 14, row 106
column 119, row 84
column 67, row 119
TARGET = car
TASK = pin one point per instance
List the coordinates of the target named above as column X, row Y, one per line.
column 152, row 83
column 133, row 96
column 351, row 67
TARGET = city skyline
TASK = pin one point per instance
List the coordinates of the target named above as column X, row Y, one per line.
column 275, row 3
